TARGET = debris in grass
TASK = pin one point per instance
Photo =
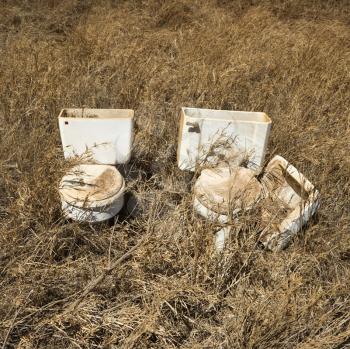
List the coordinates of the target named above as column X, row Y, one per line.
column 291, row 200
column 286, row 198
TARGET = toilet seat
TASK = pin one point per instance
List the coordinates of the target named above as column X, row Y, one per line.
column 89, row 185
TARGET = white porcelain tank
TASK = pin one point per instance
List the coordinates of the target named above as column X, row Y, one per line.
column 207, row 134
column 104, row 136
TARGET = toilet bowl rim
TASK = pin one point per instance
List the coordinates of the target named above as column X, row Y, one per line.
column 96, row 203
column 107, row 200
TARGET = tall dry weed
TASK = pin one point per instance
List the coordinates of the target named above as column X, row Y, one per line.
column 289, row 59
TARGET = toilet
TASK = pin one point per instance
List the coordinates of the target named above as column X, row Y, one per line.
column 227, row 150
column 216, row 143
column 99, row 140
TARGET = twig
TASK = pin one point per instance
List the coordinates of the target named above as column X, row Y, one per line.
column 93, row 283
column 13, row 320
column 110, row 247
column 45, row 307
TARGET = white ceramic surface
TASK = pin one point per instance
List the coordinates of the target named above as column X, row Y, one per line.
column 92, row 193
column 102, row 136
column 226, row 189
column 208, row 135
column 221, row 237
column 97, row 214
column 288, row 187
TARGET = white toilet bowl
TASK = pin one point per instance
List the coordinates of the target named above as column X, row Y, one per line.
column 223, row 140
column 225, row 191
column 93, row 191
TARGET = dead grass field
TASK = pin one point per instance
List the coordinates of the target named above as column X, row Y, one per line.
column 288, row 58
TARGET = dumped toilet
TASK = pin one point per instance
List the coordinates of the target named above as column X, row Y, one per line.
column 223, row 191
column 227, row 149
column 223, row 140
column 93, row 190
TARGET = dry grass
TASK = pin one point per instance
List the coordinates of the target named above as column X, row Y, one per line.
column 288, row 58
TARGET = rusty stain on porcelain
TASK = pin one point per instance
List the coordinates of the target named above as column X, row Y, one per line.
column 224, row 191
column 91, row 183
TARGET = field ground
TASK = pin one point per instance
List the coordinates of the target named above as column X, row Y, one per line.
column 288, row 58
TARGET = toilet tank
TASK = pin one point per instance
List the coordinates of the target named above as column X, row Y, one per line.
column 102, row 136
column 206, row 134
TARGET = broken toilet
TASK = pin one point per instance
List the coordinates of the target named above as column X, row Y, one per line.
column 228, row 149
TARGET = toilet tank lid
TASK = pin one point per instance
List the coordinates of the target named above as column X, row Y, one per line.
column 95, row 113
column 89, row 185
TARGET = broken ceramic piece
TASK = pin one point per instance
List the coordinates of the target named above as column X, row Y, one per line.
column 221, row 237
column 290, row 200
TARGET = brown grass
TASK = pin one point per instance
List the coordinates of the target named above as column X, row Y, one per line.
column 288, row 58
